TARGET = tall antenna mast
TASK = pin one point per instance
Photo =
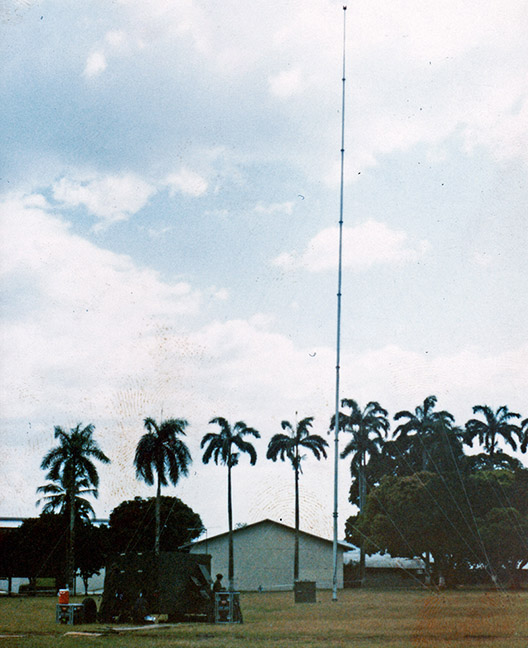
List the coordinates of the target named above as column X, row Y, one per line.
column 338, row 343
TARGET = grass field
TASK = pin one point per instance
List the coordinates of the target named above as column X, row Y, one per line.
column 360, row 619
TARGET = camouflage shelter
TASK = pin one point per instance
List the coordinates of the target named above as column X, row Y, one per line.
column 174, row 583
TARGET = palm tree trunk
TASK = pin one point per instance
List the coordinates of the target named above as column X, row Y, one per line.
column 231, row 568
column 296, row 550
column 362, row 499
column 71, row 552
column 425, row 465
column 158, row 503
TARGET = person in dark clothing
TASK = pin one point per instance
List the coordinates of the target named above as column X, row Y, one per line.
column 139, row 611
column 217, row 585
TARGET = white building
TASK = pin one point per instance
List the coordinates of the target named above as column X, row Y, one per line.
column 263, row 555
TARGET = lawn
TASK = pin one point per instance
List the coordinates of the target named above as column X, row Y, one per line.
column 360, row 618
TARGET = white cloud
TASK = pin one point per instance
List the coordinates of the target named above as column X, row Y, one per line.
column 220, row 294
column 365, row 245
column 275, row 208
column 88, row 317
column 186, row 182
column 95, row 64
column 110, row 198
column 417, row 73
column 116, row 38
column 286, row 83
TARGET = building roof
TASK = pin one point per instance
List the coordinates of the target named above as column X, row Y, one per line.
column 343, row 545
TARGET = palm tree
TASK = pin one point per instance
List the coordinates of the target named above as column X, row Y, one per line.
column 70, row 466
column 368, row 428
column 497, row 424
column 421, row 430
column 287, row 446
column 220, row 447
column 524, row 432
column 421, row 435
column 57, row 498
column 160, row 451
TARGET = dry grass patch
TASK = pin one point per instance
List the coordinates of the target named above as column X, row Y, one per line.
column 360, row 618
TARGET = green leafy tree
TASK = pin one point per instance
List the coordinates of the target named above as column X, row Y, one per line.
column 417, row 515
column 91, row 550
column 72, row 471
column 8, row 553
column 162, row 455
column 368, row 428
column 288, row 446
column 42, row 549
column 225, row 447
column 132, row 525
column 504, row 533
column 496, row 426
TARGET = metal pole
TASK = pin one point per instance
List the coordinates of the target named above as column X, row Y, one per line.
column 338, row 344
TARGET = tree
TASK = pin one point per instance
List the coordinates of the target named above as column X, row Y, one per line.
column 58, row 499
column 421, row 431
column 71, row 467
column 420, row 514
column 499, row 499
column 8, row 554
column 524, row 435
column 42, row 549
column 288, row 446
column 368, row 428
column 91, row 550
column 478, row 521
column 132, row 525
column 160, row 451
column 219, row 446
column 497, row 426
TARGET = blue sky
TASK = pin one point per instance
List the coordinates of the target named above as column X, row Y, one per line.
column 169, row 191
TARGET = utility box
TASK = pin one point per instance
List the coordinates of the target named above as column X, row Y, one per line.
column 70, row 613
column 227, row 607
column 304, row 591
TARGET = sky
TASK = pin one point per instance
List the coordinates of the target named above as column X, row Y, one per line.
column 169, row 207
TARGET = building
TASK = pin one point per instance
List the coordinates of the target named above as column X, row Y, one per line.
column 263, row 554
column 382, row 570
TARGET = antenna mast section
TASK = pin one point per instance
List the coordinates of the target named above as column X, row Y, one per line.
column 338, row 343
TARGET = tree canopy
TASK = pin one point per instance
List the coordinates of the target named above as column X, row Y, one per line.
column 132, row 525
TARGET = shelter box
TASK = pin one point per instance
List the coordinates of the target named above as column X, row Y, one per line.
column 174, row 583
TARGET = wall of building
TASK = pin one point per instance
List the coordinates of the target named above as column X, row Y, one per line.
column 264, row 558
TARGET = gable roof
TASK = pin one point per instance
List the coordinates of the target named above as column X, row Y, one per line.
column 343, row 545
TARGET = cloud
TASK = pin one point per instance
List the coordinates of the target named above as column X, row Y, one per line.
column 186, row 182
column 95, row 64
column 219, row 294
column 83, row 318
column 275, row 208
column 286, row 84
column 365, row 245
column 109, row 198
column 417, row 74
